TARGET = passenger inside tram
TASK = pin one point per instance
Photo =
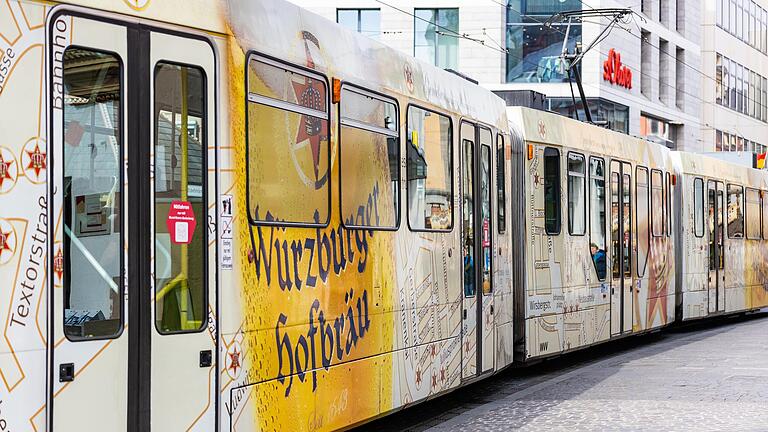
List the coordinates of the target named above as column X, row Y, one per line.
column 598, row 256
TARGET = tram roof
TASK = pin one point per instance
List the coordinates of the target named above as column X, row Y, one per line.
column 286, row 31
column 707, row 166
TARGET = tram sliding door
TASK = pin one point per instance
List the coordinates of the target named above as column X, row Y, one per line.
column 716, row 279
column 132, row 338
column 477, row 240
column 621, row 241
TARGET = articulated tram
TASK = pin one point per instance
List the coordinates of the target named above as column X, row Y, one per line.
column 235, row 215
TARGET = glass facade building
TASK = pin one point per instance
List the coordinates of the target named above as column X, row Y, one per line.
column 534, row 50
column 365, row 21
column 436, row 37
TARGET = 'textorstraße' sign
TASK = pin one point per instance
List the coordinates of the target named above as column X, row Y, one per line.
column 615, row 72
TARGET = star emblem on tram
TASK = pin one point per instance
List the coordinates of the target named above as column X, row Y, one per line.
column 234, row 358
column 311, row 94
column 36, row 160
column 5, row 170
column 58, row 264
column 4, row 246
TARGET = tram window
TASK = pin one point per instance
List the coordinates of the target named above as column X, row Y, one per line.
column 287, row 153
column 764, row 218
column 485, row 211
column 752, row 214
column 668, row 205
column 577, row 205
column 369, row 159
column 642, row 219
column 698, row 207
column 657, row 203
column 429, row 170
column 552, row 191
column 597, row 215
column 735, row 212
column 501, row 186
column 92, row 161
column 180, row 168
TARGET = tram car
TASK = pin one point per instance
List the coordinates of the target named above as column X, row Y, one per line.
column 597, row 235
column 722, row 237
column 234, row 215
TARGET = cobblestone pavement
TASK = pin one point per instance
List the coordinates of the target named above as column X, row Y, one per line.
column 707, row 377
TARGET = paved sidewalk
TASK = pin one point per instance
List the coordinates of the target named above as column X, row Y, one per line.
column 710, row 377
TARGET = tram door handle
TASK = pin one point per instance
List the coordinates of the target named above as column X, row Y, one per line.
column 66, row 372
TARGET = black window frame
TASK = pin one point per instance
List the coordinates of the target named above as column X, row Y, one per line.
column 654, row 213
column 741, row 205
column 605, row 178
column 558, row 202
column 123, row 200
column 747, row 216
column 638, row 169
column 501, row 184
column 312, row 73
column 206, row 237
column 568, row 186
column 453, row 175
column 360, row 90
column 699, row 210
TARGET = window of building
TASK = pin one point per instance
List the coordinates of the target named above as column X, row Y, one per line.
column 435, row 37
column 429, row 170
column 735, row 212
column 680, row 81
column 501, row 185
column 645, row 60
column 365, row 21
column 664, row 72
column 552, row 191
column 617, row 115
column 92, row 180
column 753, row 214
column 597, row 215
column 181, row 296
column 642, row 219
column 369, row 155
column 577, row 194
column 287, row 150
column 718, row 140
column 533, row 50
column 719, row 79
column 657, row 203
column 698, row 207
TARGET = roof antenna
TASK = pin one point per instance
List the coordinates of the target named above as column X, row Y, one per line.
column 569, row 60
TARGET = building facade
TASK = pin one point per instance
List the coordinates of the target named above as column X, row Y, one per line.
column 735, row 82
column 644, row 78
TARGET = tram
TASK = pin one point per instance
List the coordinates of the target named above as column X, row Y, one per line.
column 236, row 215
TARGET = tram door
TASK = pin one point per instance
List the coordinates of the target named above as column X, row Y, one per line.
column 621, row 241
column 477, row 240
column 716, row 294
column 133, row 338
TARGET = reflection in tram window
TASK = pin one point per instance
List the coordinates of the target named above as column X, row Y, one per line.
column 643, row 236
column 552, row 191
column 577, row 170
column 712, row 225
column 698, row 207
column 764, row 201
column 627, row 225
column 657, row 203
column 734, row 212
column 370, row 155
column 469, row 218
column 429, row 170
column 288, row 151
column 93, row 194
column 180, row 247
column 615, row 232
column 753, row 214
column 485, row 190
column 597, row 215
column 501, row 186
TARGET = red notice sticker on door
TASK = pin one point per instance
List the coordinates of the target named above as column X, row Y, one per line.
column 181, row 222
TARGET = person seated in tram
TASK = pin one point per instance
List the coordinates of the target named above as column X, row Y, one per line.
column 598, row 256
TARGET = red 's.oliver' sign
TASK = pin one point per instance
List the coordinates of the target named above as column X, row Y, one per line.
column 181, row 222
column 615, row 72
